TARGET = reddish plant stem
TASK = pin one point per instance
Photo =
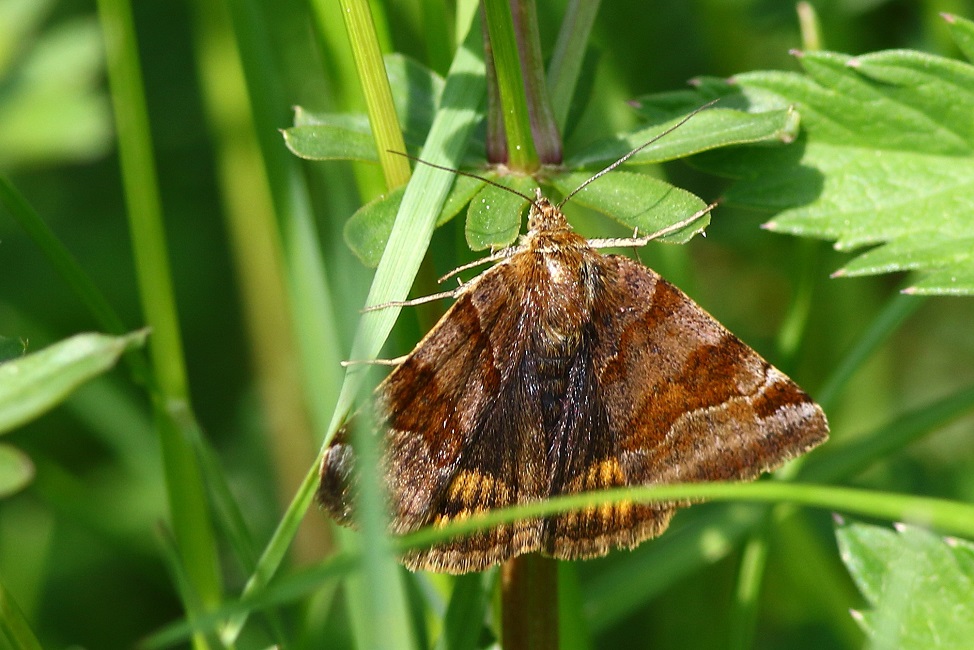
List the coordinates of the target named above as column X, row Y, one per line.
column 529, row 603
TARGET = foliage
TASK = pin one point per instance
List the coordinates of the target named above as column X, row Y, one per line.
column 916, row 584
column 182, row 478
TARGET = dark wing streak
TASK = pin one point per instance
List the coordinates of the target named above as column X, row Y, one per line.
column 493, row 431
column 590, row 443
column 437, row 397
column 504, row 448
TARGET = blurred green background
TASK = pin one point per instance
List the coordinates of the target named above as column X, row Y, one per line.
column 80, row 549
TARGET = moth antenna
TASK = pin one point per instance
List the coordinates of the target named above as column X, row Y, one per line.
column 463, row 173
column 637, row 150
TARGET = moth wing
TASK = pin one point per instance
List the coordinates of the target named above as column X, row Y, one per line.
column 454, row 439
column 682, row 400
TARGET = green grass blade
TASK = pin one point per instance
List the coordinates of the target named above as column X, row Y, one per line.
column 188, row 505
column 377, row 593
column 886, row 322
column 953, row 517
column 407, row 244
column 282, row 591
column 378, row 94
column 566, row 60
column 424, row 196
column 60, row 257
column 14, row 628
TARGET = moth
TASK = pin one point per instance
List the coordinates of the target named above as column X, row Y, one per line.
column 561, row 370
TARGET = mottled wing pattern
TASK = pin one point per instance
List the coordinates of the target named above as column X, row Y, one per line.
column 494, row 409
column 688, row 402
column 454, row 439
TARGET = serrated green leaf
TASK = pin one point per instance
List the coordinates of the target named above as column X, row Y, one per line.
column 11, row 348
column 494, row 216
column 35, row 383
column 367, row 230
column 710, row 129
column 638, row 201
column 906, row 254
column 919, row 586
column 16, row 470
column 886, row 157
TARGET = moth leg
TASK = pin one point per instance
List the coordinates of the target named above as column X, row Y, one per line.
column 374, row 362
column 452, row 293
column 493, row 257
column 621, row 242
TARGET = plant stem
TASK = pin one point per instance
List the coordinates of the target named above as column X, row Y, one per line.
column 502, row 45
column 175, row 424
column 529, row 603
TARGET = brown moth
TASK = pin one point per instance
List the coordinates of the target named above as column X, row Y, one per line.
column 562, row 370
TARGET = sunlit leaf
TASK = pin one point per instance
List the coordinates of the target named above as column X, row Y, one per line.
column 918, row 586
column 37, row 382
column 886, row 157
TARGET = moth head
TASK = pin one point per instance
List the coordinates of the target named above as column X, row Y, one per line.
column 545, row 216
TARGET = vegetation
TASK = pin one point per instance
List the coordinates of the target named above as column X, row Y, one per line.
column 148, row 194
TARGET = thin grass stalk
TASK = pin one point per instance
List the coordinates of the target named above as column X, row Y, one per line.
column 948, row 516
column 378, row 93
column 187, row 501
column 529, row 583
column 529, row 603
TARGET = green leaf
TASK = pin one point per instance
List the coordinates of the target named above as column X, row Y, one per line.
column 16, row 470
column 962, row 30
column 709, row 129
column 367, row 230
column 494, row 217
column 917, row 585
column 11, row 348
column 332, row 139
column 886, row 157
column 416, row 92
column 31, row 385
column 638, row 201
